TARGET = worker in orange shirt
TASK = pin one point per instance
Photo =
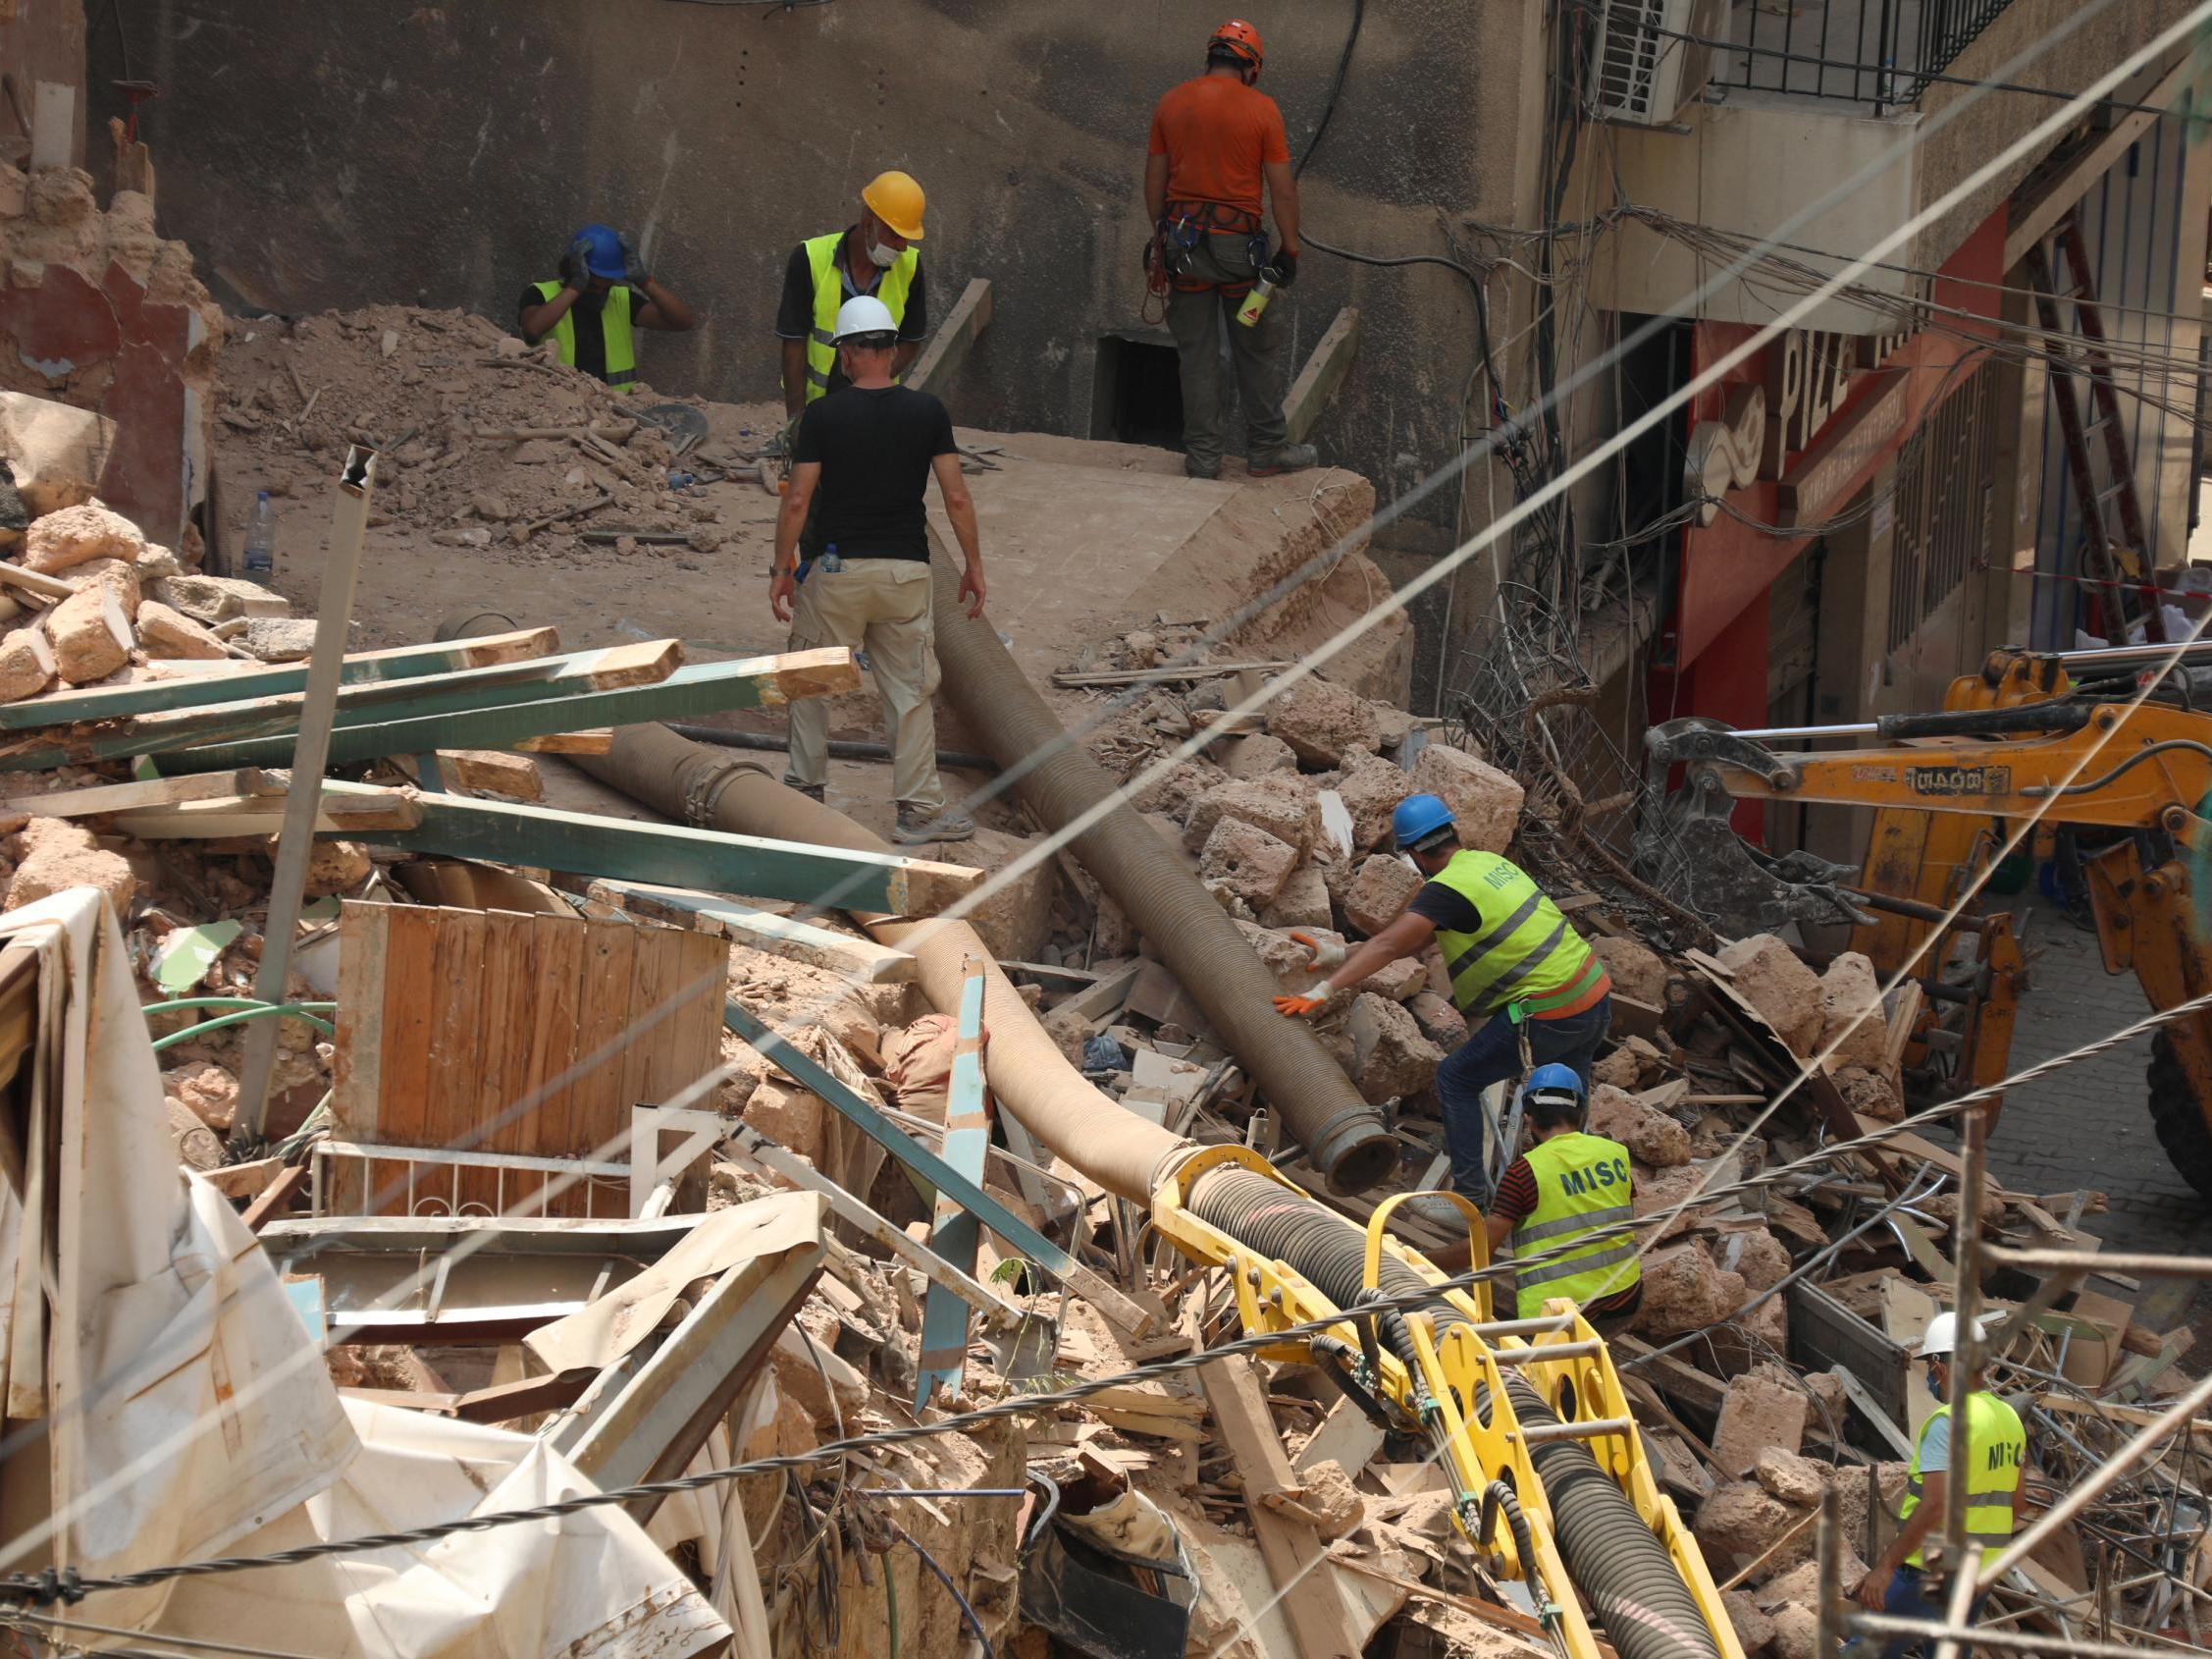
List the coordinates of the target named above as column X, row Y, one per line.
column 1214, row 141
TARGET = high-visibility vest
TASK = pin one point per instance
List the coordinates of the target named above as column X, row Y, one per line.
column 1525, row 954
column 614, row 322
column 1581, row 1183
column 1996, row 1453
column 829, row 298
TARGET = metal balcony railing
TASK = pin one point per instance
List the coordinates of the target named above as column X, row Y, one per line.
column 1876, row 52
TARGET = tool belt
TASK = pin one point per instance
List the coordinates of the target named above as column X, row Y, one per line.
column 1178, row 233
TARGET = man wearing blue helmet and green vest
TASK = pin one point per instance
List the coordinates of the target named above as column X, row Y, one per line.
column 600, row 301
column 1567, row 1186
column 1515, row 966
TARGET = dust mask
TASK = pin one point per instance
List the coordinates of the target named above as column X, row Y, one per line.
column 883, row 258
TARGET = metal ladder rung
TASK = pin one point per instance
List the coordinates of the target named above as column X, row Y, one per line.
column 1591, row 1430
column 1522, row 1327
column 1543, row 1353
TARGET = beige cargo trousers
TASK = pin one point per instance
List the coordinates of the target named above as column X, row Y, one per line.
column 881, row 605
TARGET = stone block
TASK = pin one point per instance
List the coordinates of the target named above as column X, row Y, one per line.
column 1303, row 902
column 1281, row 803
column 164, row 632
column 1014, row 917
column 1797, row 1631
column 1380, row 891
column 1790, row 1477
column 1684, row 1292
column 1757, row 1415
column 209, row 600
column 1371, row 789
column 1390, row 1059
column 495, row 771
column 26, row 664
column 1852, row 1023
column 825, row 1386
column 1439, row 1022
column 125, row 581
column 1332, row 1500
column 1649, row 1134
column 1869, row 1092
column 1767, row 973
column 1636, row 969
column 1245, row 861
column 1758, row 1255
column 209, row 1091
column 337, row 867
column 278, row 639
column 1323, row 721
column 1286, row 959
column 76, row 534
column 1486, row 801
column 1754, row 1630
column 1257, row 755
column 1738, row 1523
column 56, row 854
column 89, row 634
column 795, row 1118
column 1400, row 981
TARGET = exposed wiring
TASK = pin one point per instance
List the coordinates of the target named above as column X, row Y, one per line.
column 1336, row 88
column 952, row 1590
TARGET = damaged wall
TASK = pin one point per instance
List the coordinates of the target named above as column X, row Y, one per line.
column 726, row 134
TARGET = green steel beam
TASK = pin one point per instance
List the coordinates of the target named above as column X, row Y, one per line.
column 539, row 838
column 747, row 682
column 943, row 1358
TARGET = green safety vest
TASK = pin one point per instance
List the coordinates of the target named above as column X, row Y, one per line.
column 1996, row 1451
column 1581, row 1183
column 1526, row 957
column 614, row 319
column 829, row 298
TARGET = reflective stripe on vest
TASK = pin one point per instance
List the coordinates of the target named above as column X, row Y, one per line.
column 615, row 327
column 829, row 300
column 1581, row 1185
column 1997, row 1450
column 1525, row 953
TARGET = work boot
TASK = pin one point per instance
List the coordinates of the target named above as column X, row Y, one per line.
column 1193, row 467
column 918, row 825
column 818, row 793
column 1291, row 458
column 1439, row 1212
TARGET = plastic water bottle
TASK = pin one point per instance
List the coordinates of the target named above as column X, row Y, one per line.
column 261, row 541
column 1255, row 301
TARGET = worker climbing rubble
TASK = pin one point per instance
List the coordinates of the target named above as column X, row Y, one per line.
column 1513, row 960
column 867, row 453
column 1215, row 140
column 594, row 307
column 1995, row 1447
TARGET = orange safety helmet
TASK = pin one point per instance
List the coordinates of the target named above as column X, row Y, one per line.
column 1240, row 38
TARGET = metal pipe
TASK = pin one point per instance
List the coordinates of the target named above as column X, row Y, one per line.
column 2145, row 1265
column 1789, row 734
column 2117, row 656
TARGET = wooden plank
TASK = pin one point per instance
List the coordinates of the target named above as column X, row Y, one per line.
column 2046, row 195
column 554, row 1038
column 599, row 740
column 858, row 959
column 648, row 969
column 542, row 838
column 949, row 347
column 357, row 1072
column 409, row 963
column 248, row 783
column 509, row 984
column 1325, row 370
column 493, row 718
column 956, row 1233
column 1295, row 1555
column 456, row 991
column 36, row 583
column 274, row 1197
column 226, row 817
column 597, row 1109
column 362, row 667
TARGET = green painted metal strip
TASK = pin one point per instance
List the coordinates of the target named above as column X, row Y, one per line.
column 968, row 1145
column 954, row 1183
column 236, row 722
column 539, row 838
column 700, row 689
column 114, row 702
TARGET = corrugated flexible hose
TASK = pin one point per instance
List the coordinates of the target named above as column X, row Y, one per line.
column 1619, row 1564
column 1059, row 783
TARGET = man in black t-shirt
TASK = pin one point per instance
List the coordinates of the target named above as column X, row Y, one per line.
column 868, row 452
column 603, row 297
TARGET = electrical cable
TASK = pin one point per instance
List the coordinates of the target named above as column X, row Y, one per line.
column 952, row 1590
column 1336, row 88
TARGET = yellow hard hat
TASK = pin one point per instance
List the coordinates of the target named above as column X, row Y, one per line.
column 896, row 199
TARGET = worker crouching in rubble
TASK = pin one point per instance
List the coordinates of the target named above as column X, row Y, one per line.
column 1515, row 966
column 1569, row 1185
column 593, row 312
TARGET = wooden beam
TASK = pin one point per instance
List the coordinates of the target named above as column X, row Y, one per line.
column 274, row 1197
column 542, row 838
column 1324, row 372
column 1296, row 1558
column 2059, row 184
column 860, row 959
column 152, row 792
column 599, row 740
column 238, row 720
column 500, row 722
column 225, row 816
column 363, row 668
column 36, row 583
column 948, row 347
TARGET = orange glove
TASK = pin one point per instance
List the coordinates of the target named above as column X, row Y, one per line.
column 1297, row 1007
column 1321, row 955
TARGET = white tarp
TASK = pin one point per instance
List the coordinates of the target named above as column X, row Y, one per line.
column 189, row 1415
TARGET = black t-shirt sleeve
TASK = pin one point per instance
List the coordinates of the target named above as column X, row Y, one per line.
column 795, row 312
column 914, row 325
column 1449, row 909
column 941, row 440
column 806, row 442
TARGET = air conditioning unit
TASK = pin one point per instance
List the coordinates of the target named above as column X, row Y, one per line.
column 1646, row 73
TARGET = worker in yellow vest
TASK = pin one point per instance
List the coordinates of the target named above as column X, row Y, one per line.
column 1996, row 1455
column 879, row 256
column 1569, row 1185
column 1515, row 966
column 602, row 298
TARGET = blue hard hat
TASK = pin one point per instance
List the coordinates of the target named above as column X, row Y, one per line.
column 1552, row 1079
column 1417, row 818
column 606, row 251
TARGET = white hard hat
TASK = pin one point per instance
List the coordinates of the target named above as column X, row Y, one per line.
column 1941, row 1337
column 865, row 315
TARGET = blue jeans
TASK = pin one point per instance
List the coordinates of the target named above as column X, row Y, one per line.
column 1906, row 1598
column 1493, row 1054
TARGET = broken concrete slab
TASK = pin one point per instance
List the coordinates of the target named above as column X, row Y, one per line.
column 1767, row 973
column 1323, row 723
column 1486, row 802
column 1281, row 803
column 1757, row 1416
column 1246, row 861
column 165, row 632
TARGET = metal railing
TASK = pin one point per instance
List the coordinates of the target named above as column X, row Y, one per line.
column 1876, row 52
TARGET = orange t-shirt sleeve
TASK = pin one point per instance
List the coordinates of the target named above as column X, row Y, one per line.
column 1274, row 145
column 1159, row 146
